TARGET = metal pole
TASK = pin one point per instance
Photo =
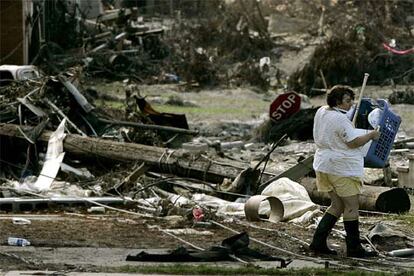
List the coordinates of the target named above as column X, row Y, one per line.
column 364, row 83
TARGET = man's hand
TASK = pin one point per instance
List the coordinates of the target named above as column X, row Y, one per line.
column 375, row 134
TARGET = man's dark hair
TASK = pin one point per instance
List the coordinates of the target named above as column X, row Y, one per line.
column 337, row 93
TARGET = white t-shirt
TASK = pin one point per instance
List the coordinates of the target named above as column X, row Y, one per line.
column 331, row 129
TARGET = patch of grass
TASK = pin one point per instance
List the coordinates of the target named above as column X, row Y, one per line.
column 407, row 218
column 210, row 111
column 219, row 108
column 199, row 110
column 181, row 269
column 110, row 104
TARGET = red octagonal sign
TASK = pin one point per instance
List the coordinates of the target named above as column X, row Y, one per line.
column 284, row 106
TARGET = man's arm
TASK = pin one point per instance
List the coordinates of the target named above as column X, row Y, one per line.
column 362, row 140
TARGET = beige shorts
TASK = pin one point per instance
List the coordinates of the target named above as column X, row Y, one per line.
column 343, row 186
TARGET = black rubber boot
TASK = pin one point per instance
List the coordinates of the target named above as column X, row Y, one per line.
column 322, row 232
column 353, row 244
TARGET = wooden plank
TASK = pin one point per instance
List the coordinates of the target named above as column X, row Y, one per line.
column 295, row 173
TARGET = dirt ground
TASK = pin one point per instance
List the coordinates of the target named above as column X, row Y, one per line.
column 99, row 243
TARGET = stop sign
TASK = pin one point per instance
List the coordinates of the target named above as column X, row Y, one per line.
column 284, row 106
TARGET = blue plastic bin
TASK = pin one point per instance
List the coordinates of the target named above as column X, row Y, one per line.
column 377, row 156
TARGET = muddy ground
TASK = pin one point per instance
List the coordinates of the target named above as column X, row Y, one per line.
column 73, row 240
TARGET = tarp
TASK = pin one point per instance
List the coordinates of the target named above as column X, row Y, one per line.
column 295, row 200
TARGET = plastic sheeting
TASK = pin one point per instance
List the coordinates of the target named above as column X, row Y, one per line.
column 381, row 230
column 224, row 208
column 295, row 200
column 51, row 166
column 296, row 204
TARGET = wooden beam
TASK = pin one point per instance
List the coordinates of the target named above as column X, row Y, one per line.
column 294, row 173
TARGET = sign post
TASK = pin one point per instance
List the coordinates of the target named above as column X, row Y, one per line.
column 284, row 106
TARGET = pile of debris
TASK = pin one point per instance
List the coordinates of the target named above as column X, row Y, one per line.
column 365, row 43
column 121, row 44
column 168, row 164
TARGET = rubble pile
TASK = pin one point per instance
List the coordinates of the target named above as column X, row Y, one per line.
column 360, row 46
column 237, row 43
column 402, row 96
column 121, row 44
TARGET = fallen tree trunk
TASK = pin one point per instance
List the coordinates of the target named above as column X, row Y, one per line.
column 373, row 198
column 177, row 162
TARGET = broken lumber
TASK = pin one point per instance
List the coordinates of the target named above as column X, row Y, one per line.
column 131, row 179
column 153, row 31
column 178, row 162
column 113, row 14
column 148, row 126
column 295, row 173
